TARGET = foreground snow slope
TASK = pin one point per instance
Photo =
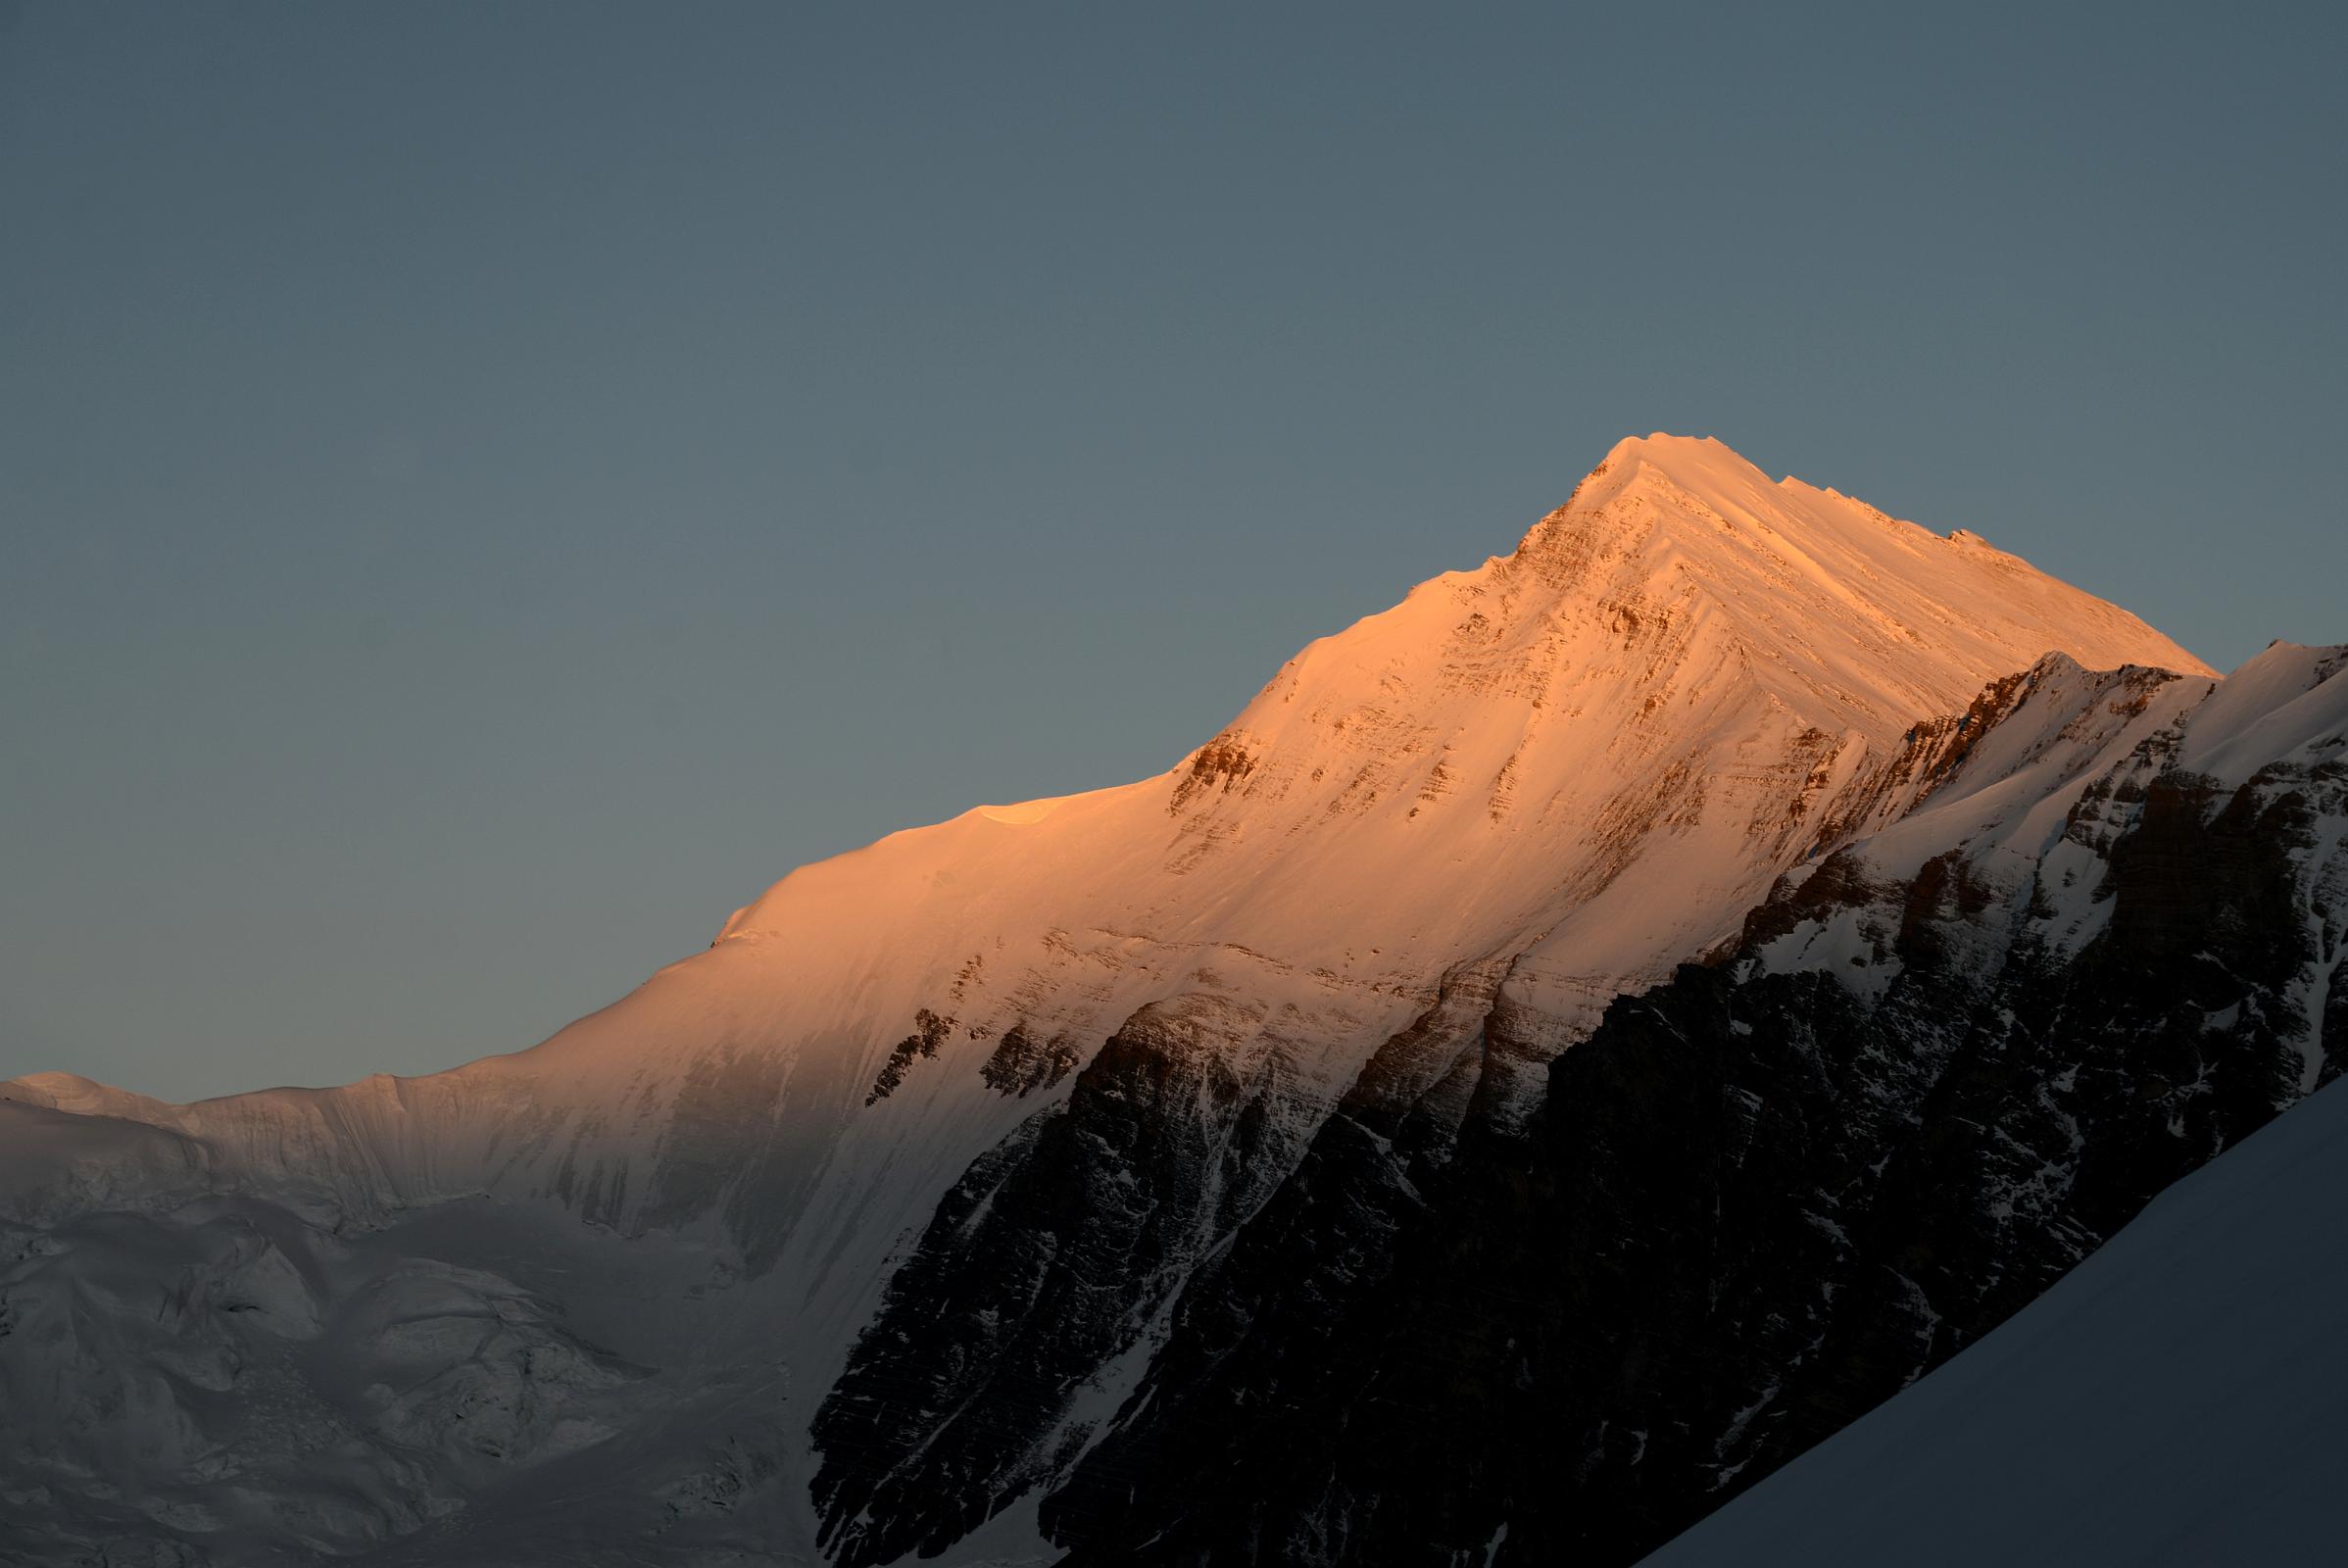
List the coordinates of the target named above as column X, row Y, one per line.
column 2174, row 1400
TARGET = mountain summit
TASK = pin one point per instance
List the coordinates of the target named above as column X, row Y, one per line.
column 949, row 1146
column 1661, row 647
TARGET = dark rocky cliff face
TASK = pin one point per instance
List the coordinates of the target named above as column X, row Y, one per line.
column 1043, row 1265
column 1754, row 1204
column 1755, row 1208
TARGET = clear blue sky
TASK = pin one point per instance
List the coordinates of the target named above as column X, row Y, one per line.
column 486, row 489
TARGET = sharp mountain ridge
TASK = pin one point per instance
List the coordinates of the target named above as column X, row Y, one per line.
column 969, row 1181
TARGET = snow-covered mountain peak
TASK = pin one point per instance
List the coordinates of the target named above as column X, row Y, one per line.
column 1682, row 677
column 1685, row 457
column 1083, row 1040
column 1587, row 756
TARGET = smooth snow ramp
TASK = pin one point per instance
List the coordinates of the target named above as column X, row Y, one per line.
column 2175, row 1400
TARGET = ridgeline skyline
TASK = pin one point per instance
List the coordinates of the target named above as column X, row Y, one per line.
column 491, row 491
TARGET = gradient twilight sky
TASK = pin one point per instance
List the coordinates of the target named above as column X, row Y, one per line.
column 486, row 489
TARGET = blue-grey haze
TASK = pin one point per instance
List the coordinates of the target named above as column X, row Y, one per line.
column 485, row 489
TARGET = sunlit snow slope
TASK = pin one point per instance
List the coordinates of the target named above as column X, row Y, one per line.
column 2105, row 941
column 1589, row 756
column 1468, row 821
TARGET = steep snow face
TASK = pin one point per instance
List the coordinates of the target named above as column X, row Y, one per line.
column 1441, row 840
column 1681, row 667
column 1587, row 757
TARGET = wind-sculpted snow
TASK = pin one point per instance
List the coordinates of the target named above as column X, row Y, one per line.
column 949, row 1143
